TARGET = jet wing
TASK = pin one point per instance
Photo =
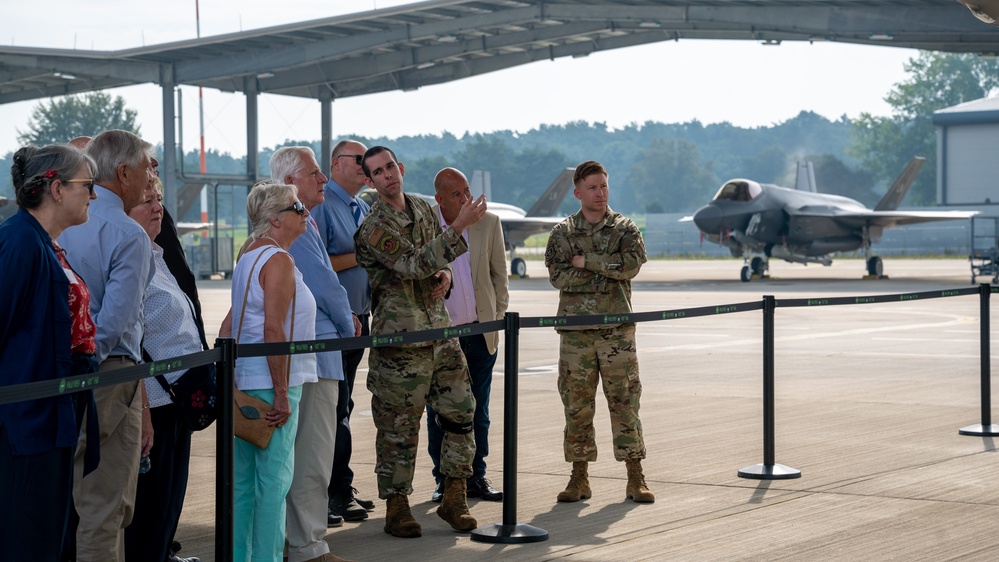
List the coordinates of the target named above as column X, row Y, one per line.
column 882, row 219
column 518, row 229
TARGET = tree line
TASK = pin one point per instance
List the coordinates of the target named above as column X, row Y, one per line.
column 654, row 167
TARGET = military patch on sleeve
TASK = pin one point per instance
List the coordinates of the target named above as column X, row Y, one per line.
column 550, row 252
column 375, row 236
column 386, row 242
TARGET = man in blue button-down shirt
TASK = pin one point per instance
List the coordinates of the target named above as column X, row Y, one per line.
column 113, row 255
column 338, row 218
column 314, row 443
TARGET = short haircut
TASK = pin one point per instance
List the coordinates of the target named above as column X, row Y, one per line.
column 34, row 169
column 587, row 169
column 373, row 151
column 113, row 148
column 339, row 146
column 289, row 161
column 266, row 199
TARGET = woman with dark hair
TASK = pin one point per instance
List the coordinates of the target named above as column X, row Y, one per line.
column 46, row 333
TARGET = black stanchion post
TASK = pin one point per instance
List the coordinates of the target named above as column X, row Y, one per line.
column 986, row 428
column 509, row 531
column 224, row 379
column 769, row 470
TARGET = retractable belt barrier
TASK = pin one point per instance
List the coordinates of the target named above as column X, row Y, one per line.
column 509, row 531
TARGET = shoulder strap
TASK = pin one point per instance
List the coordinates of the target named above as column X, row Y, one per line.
column 246, row 294
column 242, row 312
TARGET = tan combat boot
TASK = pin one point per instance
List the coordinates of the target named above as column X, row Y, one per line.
column 578, row 487
column 454, row 508
column 637, row 490
column 399, row 520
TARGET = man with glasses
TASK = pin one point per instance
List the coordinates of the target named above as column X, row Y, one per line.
column 338, row 219
column 113, row 255
column 315, row 440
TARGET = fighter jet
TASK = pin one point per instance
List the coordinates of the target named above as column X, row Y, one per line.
column 760, row 221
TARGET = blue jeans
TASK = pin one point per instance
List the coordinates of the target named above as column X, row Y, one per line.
column 480, row 371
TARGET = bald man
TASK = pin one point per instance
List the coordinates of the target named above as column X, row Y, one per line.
column 480, row 294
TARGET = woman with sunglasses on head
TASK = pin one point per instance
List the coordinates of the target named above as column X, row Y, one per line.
column 46, row 333
column 270, row 303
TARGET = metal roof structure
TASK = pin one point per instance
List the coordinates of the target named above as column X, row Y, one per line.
column 437, row 41
column 442, row 40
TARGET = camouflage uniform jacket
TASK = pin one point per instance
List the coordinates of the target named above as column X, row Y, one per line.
column 614, row 252
column 401, row 256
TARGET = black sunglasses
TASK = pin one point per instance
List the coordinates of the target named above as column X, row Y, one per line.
column 88, row 183
column 297, row 206
column 357, row 157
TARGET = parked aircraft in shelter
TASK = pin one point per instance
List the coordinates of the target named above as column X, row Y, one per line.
column 761, row 221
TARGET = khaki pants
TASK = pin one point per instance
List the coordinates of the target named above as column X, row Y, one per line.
column 314, row 444
column 105, row 499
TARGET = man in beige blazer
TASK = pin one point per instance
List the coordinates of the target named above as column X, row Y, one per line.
column 480, row 293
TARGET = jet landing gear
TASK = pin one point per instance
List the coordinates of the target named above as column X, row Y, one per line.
column 875, row 268
column 518, row 268
column 757, row 268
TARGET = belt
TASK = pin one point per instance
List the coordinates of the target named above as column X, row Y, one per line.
column 120, row 359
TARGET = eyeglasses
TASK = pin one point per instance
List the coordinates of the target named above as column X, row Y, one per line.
column 357, row 157
column 87, row 182
column 297, row 206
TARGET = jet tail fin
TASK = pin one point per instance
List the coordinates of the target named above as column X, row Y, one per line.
column 549, row 202
column 893, row 198
column 805, row 178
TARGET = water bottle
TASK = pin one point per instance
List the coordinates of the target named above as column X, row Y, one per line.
column 145, row 464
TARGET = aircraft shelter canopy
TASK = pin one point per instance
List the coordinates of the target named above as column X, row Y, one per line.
column 437, row 41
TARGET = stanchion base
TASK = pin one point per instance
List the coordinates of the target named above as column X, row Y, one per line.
column 980, row 430
column 509, row 534
column 769, row 472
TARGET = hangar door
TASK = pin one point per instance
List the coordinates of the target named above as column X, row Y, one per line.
column 972, row 164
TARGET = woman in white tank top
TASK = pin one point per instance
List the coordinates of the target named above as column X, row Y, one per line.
column 270, row 303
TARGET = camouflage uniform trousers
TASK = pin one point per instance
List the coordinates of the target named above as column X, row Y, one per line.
column 610, row 354
column 402, row 381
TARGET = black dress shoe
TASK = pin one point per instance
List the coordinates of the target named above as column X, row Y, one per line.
column 333, row 520
column 438, row 493
column 174, row 549
column 348, row 509
column 481, row 488
column 366, row 504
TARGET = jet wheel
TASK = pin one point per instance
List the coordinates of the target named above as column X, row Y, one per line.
column 874, row 266
column 746, row 275
column 758, row 266
column 518, row 267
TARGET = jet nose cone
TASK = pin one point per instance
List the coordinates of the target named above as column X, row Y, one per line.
column 708, row 218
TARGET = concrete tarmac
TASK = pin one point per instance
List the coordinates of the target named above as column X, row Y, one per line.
column 869, row 400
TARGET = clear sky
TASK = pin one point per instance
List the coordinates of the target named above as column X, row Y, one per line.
column 741, row 82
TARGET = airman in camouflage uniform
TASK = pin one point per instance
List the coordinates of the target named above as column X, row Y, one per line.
column 402, row 247
column 591, row 258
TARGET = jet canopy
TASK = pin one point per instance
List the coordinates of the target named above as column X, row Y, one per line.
column 738, row 190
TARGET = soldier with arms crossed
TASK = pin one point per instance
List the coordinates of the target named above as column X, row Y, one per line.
column 591, row 258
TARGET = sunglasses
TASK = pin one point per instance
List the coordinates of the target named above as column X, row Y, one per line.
column 297, row 206
column 357, row 157
column 87, row 182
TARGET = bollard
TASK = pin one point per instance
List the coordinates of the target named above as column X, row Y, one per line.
column 224, row 428
column 509, row 531
column 986, row 428
column 769, row 470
